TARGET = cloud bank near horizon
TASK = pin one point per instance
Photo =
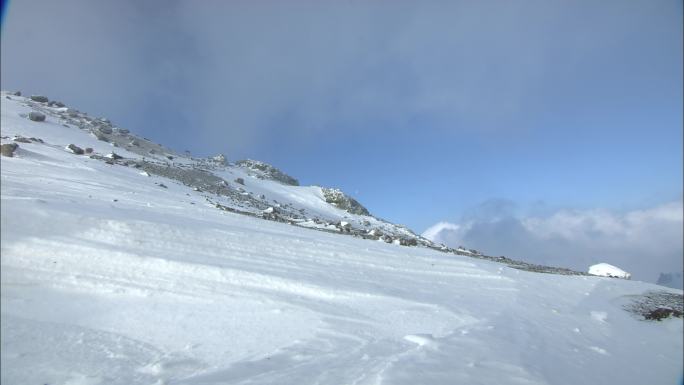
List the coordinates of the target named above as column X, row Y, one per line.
column 644, row 242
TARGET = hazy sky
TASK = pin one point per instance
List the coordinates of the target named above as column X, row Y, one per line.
column 421, row 110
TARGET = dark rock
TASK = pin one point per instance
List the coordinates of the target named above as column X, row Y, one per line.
column 21, row 139
column 376, row 233
column 105, row 129
column 114, row 156
column 36, row 140
column 386, row 238
column 240, row 181
column 17, row 93
column 100, row 136
column 408, row 242
column 71, row 112
column 88, row 150
column 75, row 149
column 8, row 149
column 36, row 116
column 162, row 185
column 169, row 157
column 39, row 98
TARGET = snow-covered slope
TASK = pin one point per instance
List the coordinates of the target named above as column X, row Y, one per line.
column 112, row 274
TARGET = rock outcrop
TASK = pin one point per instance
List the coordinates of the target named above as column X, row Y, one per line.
column 344, row 202
column 266, row 171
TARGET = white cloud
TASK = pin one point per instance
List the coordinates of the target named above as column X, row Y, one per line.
column 644, row 242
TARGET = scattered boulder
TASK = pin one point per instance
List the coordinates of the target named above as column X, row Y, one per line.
column 114, row 156
column 270, row 213
column 17, row 93
column 88, row 150
column 100, row 136
column 39, row 98
column 104, row 129
column 8, row 149
column 75, row 149
column 71, row 112
column 262, row 196
column 240, row 181
column 386, row 238
column 343, row 226
column 408, row 241
column 122, row 131
column 366, row 223
column 375, row 233
column 53, row 103
column 36, row 116
column 21, row 139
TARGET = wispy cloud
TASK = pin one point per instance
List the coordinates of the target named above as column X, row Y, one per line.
column 644, row 242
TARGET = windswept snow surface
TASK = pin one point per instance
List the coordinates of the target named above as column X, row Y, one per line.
column 107, row 278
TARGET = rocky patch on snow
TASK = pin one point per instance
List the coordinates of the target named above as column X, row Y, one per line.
column 657, row 305
column 265, row 171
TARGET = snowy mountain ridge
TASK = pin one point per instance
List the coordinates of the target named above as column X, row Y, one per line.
column 244, row 186
column 129, row 263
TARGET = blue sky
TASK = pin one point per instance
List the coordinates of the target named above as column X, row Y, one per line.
column 421, row 110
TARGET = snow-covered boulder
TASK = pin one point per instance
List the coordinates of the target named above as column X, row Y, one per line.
column 607, row 270
column 74, row 149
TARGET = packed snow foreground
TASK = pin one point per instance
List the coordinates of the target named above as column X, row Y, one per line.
column 112, row 274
